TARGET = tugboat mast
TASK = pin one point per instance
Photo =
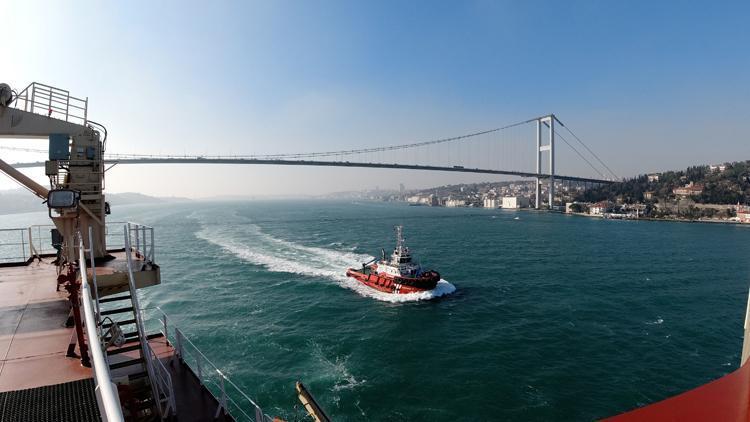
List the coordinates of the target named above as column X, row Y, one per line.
column 399, row 239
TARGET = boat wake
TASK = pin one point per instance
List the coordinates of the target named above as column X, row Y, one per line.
column 249, row 243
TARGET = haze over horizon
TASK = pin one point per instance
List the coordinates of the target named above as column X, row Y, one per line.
column 648, row 86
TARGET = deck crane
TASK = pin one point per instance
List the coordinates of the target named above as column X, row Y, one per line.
column 75, row 200
column 75, row 167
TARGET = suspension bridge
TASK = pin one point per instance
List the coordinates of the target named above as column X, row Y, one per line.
column 526, row 149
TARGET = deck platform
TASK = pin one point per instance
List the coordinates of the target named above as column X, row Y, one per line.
column 34, row 341
column 33, row 336
column 112, row 275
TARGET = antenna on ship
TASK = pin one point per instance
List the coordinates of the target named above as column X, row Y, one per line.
column 399, row 238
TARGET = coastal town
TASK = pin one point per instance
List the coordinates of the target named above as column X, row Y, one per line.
column 712, row 193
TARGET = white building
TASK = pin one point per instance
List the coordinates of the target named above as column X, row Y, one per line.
column 491, row 203
column 515, row 202
column 455, row 203
column 600, row 208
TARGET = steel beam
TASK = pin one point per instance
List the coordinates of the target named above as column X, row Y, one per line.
column 323, row 164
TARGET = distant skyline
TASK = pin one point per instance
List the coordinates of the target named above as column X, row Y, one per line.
column 649, row 86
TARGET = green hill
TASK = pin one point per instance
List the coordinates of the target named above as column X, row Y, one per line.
column 725, row 184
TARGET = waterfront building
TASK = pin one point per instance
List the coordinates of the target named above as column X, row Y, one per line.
column 491, row 203
column 600, row 208
column 515, row 202
column 451, row 203
column 415, row 199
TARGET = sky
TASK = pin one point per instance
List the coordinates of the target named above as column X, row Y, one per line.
column 647, row 85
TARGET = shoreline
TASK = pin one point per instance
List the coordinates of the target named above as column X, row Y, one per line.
column 668, row 220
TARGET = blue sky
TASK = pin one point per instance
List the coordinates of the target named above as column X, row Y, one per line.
column 648, row 85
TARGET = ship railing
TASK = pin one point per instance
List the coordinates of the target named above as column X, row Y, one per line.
column 40, row 238
column 142, row 241
column 159, row 377
column 113, row 232
column 16, row 246
column 22, row 245
column 52, row 102
column 141, row 238
column 105, row 390
column 19, row 246
column 163, row 379
column 231, row 398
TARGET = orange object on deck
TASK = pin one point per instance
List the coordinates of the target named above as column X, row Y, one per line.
column 725, row 399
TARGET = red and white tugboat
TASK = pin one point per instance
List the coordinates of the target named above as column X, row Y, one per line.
column 397, row 275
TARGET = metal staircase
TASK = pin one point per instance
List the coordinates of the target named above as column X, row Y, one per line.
column 143, row 383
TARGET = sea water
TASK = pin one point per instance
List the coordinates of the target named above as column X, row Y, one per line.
column 538, row 317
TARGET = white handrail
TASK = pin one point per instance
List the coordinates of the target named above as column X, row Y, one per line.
column 45, row 99
column 137, row 312
column 164, row 380
column 106, row 391
column 156, row 387
column 93, row 275
column 181, row 342
column 9, row 245
column 144, row 241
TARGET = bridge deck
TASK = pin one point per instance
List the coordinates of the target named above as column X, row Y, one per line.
column 249, row 161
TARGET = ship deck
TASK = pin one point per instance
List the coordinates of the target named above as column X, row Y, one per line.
column 33, row 336
column 34, row 341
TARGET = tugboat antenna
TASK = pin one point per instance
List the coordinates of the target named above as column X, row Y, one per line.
column 399, row 238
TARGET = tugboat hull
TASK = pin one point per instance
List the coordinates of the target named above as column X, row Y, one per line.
column 400, row 285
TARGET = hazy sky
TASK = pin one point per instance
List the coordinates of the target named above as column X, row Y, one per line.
column 648, row 85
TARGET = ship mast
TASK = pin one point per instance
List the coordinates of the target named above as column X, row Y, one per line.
column 399, row 239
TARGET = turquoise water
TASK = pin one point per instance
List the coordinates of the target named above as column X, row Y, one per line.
column 553, row 317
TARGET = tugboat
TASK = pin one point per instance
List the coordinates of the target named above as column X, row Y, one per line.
column 397, row 275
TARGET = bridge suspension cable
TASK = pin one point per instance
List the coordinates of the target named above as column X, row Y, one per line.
column 588, row 149
column 580, row 155
column 336, row 153
column 503, row 150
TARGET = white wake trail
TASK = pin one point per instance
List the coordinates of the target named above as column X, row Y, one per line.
column 250, row 244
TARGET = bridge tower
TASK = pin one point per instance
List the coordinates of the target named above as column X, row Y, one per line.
column 548, row 121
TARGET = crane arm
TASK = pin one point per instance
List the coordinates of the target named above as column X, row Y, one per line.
column 24, row 180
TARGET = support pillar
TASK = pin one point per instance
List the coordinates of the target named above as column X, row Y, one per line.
column 537, row 186
column 548, row 121
column 551, row 160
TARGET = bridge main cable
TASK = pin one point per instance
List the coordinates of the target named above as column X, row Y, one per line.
column 334, row 153
column 299, row 158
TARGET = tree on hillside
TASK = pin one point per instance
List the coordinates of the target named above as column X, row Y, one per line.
column 728, row 187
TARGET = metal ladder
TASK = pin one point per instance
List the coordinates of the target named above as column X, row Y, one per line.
column 148, row 396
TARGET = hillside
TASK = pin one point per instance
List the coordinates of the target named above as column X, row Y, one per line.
column 19, row 200
column 725, row 184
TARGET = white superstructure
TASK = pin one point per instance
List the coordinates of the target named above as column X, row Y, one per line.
column 400, row 263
